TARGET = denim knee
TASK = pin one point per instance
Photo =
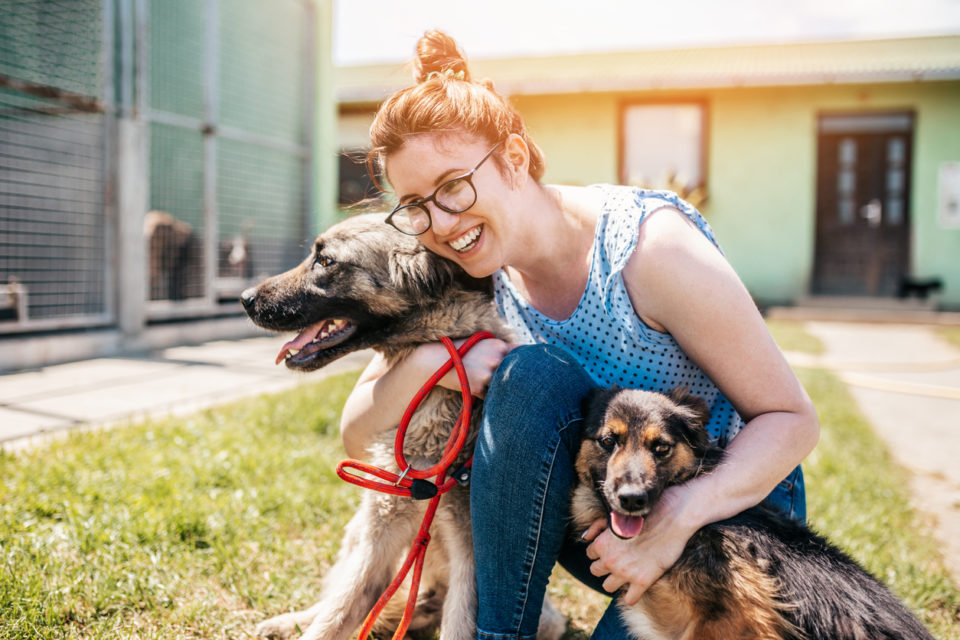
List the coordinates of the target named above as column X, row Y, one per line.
column 520, row 485
column 789, row 498
column 535, row 387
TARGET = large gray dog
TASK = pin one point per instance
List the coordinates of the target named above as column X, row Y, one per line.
column 365, row 285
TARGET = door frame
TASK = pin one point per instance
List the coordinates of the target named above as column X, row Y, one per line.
column 862, row 122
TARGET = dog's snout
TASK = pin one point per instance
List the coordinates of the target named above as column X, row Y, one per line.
column 633, row 501
column 248, row 297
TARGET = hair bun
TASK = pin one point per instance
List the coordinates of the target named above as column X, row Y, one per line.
column 438, row 53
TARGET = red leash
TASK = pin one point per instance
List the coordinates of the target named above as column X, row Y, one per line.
column 414, row 483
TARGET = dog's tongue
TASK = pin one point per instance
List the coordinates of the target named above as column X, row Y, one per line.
column 304, row 338
column 625, row 526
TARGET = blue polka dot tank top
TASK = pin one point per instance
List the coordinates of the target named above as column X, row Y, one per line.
column 604, row 333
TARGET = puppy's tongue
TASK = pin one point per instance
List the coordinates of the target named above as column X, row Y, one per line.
column 304, row 338
column 625, row 526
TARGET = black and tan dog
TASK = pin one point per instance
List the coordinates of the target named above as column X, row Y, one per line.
column 365, row 285
column 757, row 575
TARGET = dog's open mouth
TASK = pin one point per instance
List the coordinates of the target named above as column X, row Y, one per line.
column 624, row 525
column 315, row 339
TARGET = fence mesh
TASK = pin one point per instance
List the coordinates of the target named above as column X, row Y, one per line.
column 176, row 56
column 260, row 206
column 261, row 88
column 52, row 218
column 226, row 151
column 53, row 43
column 254, row 112
column 260, row 187
column 175, row 225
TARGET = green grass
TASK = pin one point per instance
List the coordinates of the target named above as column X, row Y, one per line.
column 791, row 336
column 198, row 527
column 859, row 498
column 183, row 528
column 951, row 334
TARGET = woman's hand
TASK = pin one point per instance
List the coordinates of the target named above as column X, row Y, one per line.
column 480, row 362
column 640, row 561
column 378, row 400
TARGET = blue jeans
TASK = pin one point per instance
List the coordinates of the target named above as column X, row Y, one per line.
column 520, row 490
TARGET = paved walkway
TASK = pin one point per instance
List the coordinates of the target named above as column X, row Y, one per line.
column 906, row 381
column 176, row 381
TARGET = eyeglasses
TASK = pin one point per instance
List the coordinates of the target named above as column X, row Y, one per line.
column 453, row 196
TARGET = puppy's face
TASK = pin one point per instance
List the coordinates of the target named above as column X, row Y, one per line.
column 636, row 444
column 360, row 281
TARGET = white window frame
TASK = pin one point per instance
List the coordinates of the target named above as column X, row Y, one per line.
column 679, row 141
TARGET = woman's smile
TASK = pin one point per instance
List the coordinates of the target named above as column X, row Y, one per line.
column 467, row 241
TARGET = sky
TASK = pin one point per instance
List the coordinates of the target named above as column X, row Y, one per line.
column 368, row 31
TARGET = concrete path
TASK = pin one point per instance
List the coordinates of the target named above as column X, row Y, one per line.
column 177, row 381
column 906, row 381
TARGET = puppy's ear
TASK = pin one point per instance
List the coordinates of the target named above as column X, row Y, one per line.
column 594, row 406
column 695, row 406
column 419, row 272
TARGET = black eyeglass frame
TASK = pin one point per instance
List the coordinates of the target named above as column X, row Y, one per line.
column 422, row 202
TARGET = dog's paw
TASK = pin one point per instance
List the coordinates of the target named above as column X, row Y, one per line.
column 553, row 624
column 280, row 627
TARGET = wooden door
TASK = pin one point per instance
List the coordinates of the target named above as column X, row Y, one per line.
column 863, row 198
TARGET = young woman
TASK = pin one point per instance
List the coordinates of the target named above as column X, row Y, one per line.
column 604, row 285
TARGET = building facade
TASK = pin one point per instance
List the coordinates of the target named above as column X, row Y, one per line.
column 828, row 170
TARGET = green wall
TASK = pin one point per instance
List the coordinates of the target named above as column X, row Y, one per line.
column 936, row 251
column 578, row 135
column 762, row 165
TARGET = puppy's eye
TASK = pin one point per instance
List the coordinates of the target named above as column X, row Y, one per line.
column 662, row 449
column 608, row 442
column 323, row 261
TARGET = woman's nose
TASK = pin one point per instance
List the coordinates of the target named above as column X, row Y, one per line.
column 442, row 221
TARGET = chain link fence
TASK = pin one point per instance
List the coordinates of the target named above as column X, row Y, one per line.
column 53, row 253
column 223, row 89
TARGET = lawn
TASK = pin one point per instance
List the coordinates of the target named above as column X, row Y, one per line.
column 790, row 336
column 951, row 334
column 199, row 527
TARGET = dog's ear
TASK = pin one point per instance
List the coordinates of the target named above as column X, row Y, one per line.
column 594, row 406
column 696, row 408
column 692, row 417
column 419, row 272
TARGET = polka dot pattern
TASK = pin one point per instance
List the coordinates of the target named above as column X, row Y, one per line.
column 604, row 333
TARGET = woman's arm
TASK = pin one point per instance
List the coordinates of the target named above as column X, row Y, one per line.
column 678, row 282
column 382, row 392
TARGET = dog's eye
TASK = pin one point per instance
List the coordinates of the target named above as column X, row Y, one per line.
column 323, row 261
column 662, row 449
column 608, row 442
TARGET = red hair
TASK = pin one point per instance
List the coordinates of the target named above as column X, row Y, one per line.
column 445, row 98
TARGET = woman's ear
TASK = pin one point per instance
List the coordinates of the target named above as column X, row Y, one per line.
column 516, row 158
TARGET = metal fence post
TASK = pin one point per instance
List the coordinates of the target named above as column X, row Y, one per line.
column 132, row 175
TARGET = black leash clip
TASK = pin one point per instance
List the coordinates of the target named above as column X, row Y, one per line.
column 462, row 475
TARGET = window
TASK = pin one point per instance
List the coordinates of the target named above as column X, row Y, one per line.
column 664, row 145
column 356, row 185
column 353, row 137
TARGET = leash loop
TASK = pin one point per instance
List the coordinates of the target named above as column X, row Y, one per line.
column 413, row 483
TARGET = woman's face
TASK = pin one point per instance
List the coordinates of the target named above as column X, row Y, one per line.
column 475, row 238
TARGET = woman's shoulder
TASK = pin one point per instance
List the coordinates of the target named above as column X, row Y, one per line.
column 604, row 198
column 620, row 211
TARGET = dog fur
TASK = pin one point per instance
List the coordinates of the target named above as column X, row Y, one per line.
column 757, row 575
column 394, row 295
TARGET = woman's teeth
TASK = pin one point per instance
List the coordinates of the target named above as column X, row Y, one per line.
column 467, row 240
